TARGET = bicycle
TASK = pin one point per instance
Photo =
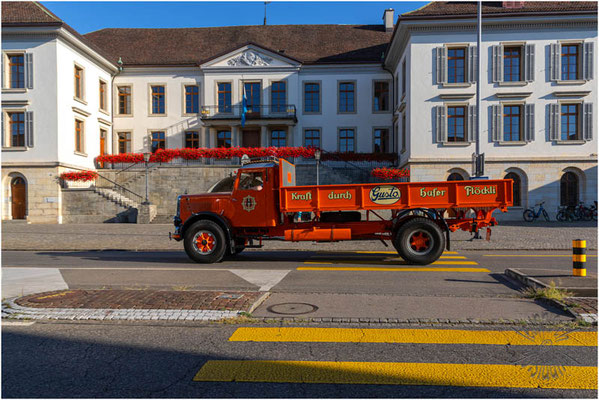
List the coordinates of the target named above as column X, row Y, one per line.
column 565, row 213
column 530, row 215
column 584, row 213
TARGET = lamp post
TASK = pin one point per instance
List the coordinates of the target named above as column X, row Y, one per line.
column 317, row 157
column 147, row 156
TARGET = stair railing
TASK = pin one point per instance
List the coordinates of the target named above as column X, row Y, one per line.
column 104, row 182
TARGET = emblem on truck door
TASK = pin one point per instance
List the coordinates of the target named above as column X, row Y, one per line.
column 248, row 203
column 385, row 194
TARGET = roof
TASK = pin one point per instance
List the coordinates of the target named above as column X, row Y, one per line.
column 309, row 44
column 445, row 9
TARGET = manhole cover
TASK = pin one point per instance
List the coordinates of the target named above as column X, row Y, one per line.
column 230, row 296
column 292, row 308
column 47, row 298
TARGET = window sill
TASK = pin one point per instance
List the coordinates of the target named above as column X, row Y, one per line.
column 157, row 115
column 311, row 113
column 381, row 112
column 456, row 144
column 123, row 115
column 572, row 82
column 456, row 85
column 14, row 90
column 105, row 112
column 77, row 153
column 512, row 143
column 16, row 148
column 79, row 100
column 515, row 83
column 569, row 141
column 347, row 112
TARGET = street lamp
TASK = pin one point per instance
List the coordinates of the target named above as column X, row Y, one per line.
column 147, row 156
column 317, row 157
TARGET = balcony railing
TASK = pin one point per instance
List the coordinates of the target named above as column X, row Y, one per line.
column 272, row 111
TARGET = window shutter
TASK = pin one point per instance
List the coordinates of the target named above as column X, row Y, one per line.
column 498, row 63
column 529, row 122
column 472, row 63
column 471, row 124
column 587, row 121
column 3, row 61
column 441, row 124
column 29, row 70
column 556, row 62
column 29, row 128
column 496, row 123
column 441, row 65
column 2, row 127
column 587, row 61
column 554, row 125
column 529, row 62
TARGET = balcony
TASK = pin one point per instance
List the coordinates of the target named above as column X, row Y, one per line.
column 254, row 113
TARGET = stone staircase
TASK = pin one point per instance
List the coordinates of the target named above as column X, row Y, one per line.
column 116, row 197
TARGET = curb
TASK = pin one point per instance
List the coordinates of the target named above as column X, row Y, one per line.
column 535, row 283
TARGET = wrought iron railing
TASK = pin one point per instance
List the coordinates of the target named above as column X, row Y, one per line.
column 104, row 182
column 272, row 111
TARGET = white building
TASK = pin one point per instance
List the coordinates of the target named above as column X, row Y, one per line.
column 346, row 88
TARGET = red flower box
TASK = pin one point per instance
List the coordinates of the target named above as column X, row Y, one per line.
column 390, row 173
column 81, row 176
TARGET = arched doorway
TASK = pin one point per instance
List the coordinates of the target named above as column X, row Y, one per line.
column 517, row 188
column 454, row 176
column 18, row 191
column 569, row 189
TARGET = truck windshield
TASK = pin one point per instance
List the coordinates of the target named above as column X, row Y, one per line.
column 225, row 185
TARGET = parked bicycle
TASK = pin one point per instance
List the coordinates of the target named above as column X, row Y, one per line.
column 565, row 213
column 584, row 213
column 530, row 214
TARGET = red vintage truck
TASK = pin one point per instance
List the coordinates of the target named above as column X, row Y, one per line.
column 261, row 202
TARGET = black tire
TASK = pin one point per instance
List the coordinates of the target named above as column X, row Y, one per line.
column 419, row 232
column 528, row 215
column 546, row 216
column 561, row 216
column 204, row 252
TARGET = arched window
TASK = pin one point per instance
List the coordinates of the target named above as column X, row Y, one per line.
column 517, row 188
column 568, row 185
column 455, row 177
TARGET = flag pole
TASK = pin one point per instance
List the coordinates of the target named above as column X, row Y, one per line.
column 479, row 168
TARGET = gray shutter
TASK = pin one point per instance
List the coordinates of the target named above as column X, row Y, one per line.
column 554, row 122
column 587, row 61
column 555, row 62
column 441, row 65
column 496, row 123
column 587, row 121
column 2, row 62
column 529, row 122
column 2, row 127
column 29, row 70
column 441, row 127
column 529, row 62
column 29, row 128
column 498, row 63
column 471, row 124
column 472, row 64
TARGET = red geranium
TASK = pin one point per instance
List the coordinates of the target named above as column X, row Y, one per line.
column 390, row 173
column 83, row 176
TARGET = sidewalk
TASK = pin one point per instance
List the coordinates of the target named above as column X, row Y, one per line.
column 509, row 236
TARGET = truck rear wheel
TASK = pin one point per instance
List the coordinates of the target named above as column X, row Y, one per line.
column 205, row 242
column 419, row 241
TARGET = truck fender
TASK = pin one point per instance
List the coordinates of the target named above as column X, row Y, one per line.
column 222, row 222
column 432, row 214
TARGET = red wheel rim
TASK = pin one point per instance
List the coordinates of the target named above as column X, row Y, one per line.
column 205, row 242
column 420, row 241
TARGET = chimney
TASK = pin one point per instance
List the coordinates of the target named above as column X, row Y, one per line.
column 388, row 19
column 513, row 4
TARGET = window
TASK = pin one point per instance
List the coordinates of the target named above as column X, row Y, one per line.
column 158, row 100
column 381, row 140
column 312, row 138
column 192, row 139
column 250, row 181
column 346, row 140
column 381, row 96
column 403, row 132
column 512, row 123
column 517, row 192
column 278, row 138
column 456, row 124
column 79, row 136
column 223, row 139
column 16, row 71
column 16, row 130
column 124, row 142
column 312, row 97
column 347, row 93
column 454, row 176
column 456, row 65
column 124, row 100
column 192, row 99
column 103, row 105
column 570, row 62
column 79, row 92
column 158, row 141
column 403, row 78
column 278, row 97
column 568, row 185
column 512, row 63
column 224, row 97
column 252, row 94
column 569, row 122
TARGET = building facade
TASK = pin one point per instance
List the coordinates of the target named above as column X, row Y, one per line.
column 407, row 88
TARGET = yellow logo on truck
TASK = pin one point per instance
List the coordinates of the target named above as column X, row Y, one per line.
column 435, row 192
column 477, row 190
column 338, row 196
column 304, row 196
column 385, row 194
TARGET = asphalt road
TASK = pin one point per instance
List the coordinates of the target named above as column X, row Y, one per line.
column 142, row 360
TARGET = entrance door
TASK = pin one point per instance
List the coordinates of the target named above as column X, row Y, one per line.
column 250, row 138
column 19, row 197
column 102, row 145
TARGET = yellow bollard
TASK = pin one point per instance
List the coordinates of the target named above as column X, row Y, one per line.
column 579, row 257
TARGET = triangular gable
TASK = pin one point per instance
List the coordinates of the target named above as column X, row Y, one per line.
column 251, row 56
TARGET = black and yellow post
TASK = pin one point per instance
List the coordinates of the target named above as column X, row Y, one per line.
column 579, row 257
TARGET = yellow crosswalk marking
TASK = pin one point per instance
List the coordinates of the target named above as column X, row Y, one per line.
column 454, row 257
column 387, row 262
column 431, row 336
column 388, row 252
column 406, row 269
column 340, row 372
column 533, row 255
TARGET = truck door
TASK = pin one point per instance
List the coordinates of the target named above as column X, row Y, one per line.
column 250, row 198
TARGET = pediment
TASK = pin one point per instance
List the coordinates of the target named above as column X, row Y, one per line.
column 251, row 56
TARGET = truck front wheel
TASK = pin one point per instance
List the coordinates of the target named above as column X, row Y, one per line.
column 205, row 242
column 419, row 241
